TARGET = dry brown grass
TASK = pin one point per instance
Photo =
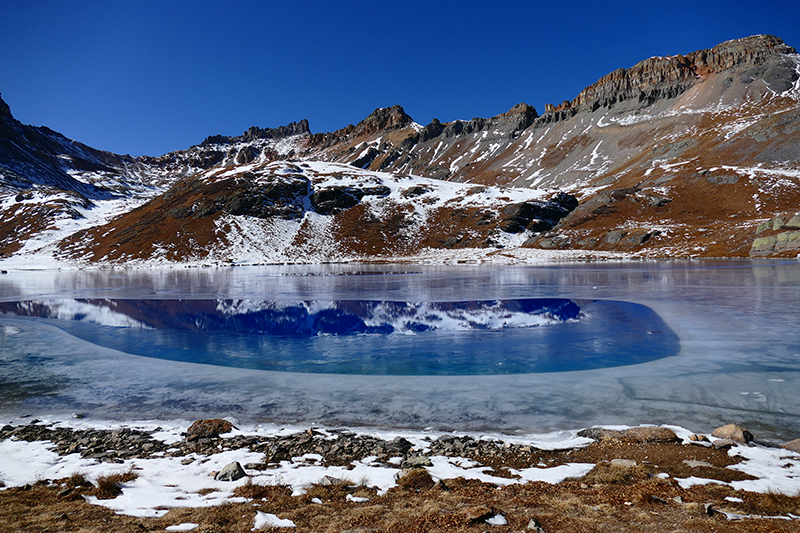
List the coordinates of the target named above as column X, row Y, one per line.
column 416, row 479
column 774, row 503
column 274, row 494
column 609, row 499
column 110, row 486
column 607, row 473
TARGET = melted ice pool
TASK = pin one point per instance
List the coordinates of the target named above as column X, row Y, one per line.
column 368, row 336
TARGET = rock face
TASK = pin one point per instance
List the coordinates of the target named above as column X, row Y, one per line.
column 254, row 133
column 661, row 78
column 778, row 237
column 681, row 156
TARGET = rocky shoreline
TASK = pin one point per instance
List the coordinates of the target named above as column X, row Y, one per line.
column 449, row 482
column 335, row 446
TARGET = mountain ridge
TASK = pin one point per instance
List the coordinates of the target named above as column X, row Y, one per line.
column 686, row 155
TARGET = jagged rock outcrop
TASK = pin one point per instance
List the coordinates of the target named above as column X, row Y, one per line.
column 385, row 118
column 659, row 78
column 253, row 133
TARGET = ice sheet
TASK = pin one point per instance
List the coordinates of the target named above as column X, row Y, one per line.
column 734, row 320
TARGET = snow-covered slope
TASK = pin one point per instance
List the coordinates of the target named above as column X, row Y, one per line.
column 311, row 212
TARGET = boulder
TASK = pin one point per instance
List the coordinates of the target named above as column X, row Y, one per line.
column 792, row 445
column 231, row 472
column 723, row 444
column 416, row 461
column 210, row 428
column 787, row 241
column 763, row 245
column 477, row 514
column 734, row 433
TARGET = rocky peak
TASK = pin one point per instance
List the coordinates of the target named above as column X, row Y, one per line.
column 254, row 132
column 381, row 119
column 666, row 77
column 517, row 118
column 5, row 111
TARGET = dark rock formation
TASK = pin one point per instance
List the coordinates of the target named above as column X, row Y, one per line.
column 382, row 119
column 36, row 157
column 334, row 199
column 5, row 111
column 516, row 218
column 253, row 133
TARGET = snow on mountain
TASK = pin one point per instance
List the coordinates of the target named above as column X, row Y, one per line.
column 311, row 211
column 686, row 155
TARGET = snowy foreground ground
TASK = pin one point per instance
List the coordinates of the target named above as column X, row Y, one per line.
column 172, row 482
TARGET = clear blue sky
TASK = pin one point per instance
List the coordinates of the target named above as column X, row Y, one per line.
column 145, row 77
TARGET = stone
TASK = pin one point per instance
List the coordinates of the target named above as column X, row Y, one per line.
column 794, row 222
column 787, row 241
column 777, row 223
column 764, row 226
column 477, row 513
column 416, row 461
column 698, row 438
column 793, row 445
column 691, row 463
column 658, row 201
column 763, row 245
column 231, row 472
column 614, row 236
column 535, row 526
column 368, row 157
column 722, row 444
column 626, row 463
column 638, row 434
column 210, row 428
column 734, row 433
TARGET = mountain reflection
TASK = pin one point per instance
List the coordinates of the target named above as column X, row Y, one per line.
column 304, row 318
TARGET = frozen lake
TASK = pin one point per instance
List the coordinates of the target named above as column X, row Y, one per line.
column 514, row 349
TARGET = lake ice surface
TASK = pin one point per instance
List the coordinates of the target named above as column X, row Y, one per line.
column 738, row 358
